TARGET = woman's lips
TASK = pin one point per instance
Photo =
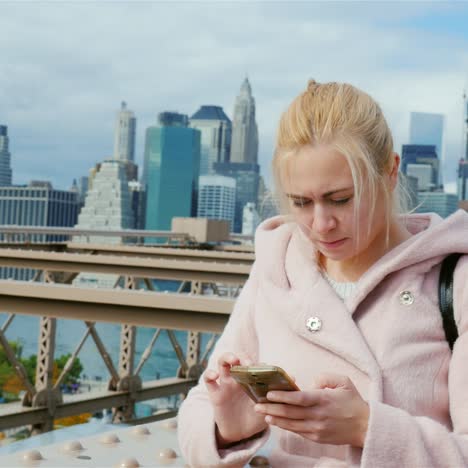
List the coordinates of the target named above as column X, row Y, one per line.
column 332, row 245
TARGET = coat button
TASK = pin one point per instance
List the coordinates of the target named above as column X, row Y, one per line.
column 314, row 324
column 406, row 298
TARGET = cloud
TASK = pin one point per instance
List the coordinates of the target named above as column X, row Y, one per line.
column 65, row 67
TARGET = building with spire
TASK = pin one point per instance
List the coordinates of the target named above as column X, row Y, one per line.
column 5, row 157
column 215, row 144
column 124, row 135
column 243, row 165
column 244, row 146
column 124, row 140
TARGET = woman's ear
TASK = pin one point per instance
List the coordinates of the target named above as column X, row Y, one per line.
column 394, row 167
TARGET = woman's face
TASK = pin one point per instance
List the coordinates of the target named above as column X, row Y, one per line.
column 320, row 189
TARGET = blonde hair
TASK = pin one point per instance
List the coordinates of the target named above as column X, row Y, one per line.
column 340, row 115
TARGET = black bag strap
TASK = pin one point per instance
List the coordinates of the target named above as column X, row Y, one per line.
column 446, row 297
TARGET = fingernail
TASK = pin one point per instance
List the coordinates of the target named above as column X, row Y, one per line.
column 268, row 419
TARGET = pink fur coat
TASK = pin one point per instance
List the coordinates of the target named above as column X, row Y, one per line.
column 391, row 345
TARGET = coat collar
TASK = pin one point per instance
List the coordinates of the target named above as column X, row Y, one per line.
column 299, row 291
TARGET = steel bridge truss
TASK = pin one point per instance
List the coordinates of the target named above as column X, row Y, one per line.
column 132, row 302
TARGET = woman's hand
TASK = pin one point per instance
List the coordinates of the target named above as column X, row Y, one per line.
column 332, row 413
column 234, row 412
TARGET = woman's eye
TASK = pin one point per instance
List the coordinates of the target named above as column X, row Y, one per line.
column 300, row 203
column 342, row 201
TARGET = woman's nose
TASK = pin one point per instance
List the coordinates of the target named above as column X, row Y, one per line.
column 324, row 220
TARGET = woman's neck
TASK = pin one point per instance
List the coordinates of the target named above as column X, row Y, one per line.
column 350, row 270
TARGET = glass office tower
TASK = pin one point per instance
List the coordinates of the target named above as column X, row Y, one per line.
column 172, row 166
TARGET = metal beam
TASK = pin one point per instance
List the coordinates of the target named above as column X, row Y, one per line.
column 140, row 308
column 176, row 253
column 200, row 249
column 224, row 272
column 27, row 231
column 64, row 231
column 14, row 415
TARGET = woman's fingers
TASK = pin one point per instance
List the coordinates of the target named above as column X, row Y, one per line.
column 287, row 411
column 210, row 376
column 225, row 361
column 299, row 398
column 294, row 425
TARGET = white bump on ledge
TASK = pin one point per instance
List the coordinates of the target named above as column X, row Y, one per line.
column 169, row 424
column 129, row 463
column 167, row 456
column 109, row 439
column 32, row 456
column 73, row 446
column 141, row 431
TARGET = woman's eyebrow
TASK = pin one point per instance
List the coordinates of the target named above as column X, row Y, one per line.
column 325, row 195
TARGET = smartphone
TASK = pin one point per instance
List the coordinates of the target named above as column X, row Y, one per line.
column 257, row 381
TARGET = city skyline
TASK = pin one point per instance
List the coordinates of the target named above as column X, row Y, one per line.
column 59, row 101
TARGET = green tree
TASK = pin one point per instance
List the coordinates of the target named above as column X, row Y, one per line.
column 74, row 373
column 7, row 372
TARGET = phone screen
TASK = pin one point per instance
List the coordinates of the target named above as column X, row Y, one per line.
column 257, row 381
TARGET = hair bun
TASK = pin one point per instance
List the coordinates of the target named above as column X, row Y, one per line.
column 312, row 85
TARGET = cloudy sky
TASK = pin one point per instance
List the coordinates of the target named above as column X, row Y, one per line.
column 65, row 66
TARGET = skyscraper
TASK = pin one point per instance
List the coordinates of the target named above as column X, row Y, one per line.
column 250, row 220
column 37, row 204
column 423, row 174
column 463, row 179
column 5, row 157
column 108, row 206
column 267, row 205
column 108, row 203
column 215, row 128
column 124, row 141
column 414, row 155
column 444, row 204
column 247, row 178
column 171, row 170
column 462, row 184
column 244, row 146
column 124, row 135
column 428, row 129
column 217, row 198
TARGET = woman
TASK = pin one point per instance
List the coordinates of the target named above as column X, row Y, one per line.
column 343, row 296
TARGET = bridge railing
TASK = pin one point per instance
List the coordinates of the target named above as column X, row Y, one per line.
column 207, row 289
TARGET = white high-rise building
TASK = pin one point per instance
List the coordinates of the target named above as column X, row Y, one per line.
column 107, row 207
column 108, row 202
column 267, row 204
column 124, row 135
column 215, row 141
column 5, row 157
column 250, row 219
column 244, row 146
column 423, row 173
column 217, row 198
